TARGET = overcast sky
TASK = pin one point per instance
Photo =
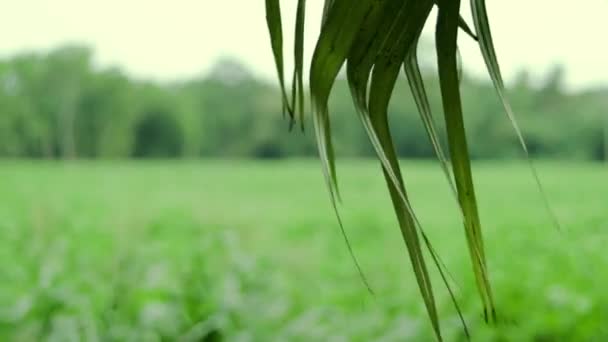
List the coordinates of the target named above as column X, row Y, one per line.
column 171, row 39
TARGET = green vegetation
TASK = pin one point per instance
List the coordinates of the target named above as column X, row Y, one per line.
column 130, row 254
column 144, row 251
column 101, row 113
column 374, row 41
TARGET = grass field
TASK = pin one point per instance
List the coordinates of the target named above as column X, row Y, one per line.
column 250, row 251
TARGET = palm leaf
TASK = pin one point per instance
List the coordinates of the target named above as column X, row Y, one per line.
column 298, row 73
column 327, row 5
column 384, row 75
column 446, row 41
column 330, row 52
column 334, row 42
column 414, row 77
column 275, row 29
column 375, row 39
column 480, row 19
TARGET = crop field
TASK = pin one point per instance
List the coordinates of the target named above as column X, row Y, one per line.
column 251, row 251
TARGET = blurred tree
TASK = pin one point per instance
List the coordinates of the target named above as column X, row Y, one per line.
column 59, row 105
column 156, row 130
column 106, row 108
column 67, row 70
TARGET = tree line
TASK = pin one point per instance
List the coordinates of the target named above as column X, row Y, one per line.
column 59, row 105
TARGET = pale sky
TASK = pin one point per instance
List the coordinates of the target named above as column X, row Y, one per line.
column 173, row 39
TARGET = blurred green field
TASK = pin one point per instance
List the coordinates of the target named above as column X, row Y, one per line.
column 250, row 251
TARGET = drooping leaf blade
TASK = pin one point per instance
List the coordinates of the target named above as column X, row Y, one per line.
column 381, row 54
column 446, row 41
column 464, row 26
column 298, row 78
column 326, row 6
column 336, row 37
column 414, row 77
column 486, row 45
column 275, row 30
column 335, row 40
column 384, row 75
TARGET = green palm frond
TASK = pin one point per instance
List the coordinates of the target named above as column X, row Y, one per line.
column 376, row 39
column 273, row 18
column 298, row 74
column 486, row 45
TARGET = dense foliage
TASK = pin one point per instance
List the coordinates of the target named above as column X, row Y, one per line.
column 60, row 105
column 179, row 251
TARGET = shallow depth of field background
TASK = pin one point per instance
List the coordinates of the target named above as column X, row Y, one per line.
column 150, row 190
column 251, row 250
